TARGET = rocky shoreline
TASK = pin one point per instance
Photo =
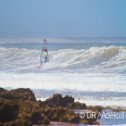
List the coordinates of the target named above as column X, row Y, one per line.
column 20, row 107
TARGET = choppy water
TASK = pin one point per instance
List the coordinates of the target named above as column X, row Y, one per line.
column 93, row 69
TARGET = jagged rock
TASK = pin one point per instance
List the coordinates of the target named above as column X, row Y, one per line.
column 19, row 107
column 71, row 117
column 33, row 111
column 74, row 119
column 23, row 94
column 77, row 105
column 8, row 111
column 67, row 100
column 58, row 100
column 17, row 122
column 55, row 100
column 38, row 119
column 61, row 114
column 17, row 94
column 2, row 90
column 4, row 94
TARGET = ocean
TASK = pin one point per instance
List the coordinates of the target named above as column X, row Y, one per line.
column 91, row 72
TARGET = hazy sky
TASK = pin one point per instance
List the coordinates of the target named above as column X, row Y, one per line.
column 62, row 18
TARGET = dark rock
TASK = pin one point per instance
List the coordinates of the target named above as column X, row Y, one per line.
column 61, row 114
column 67, row 100
column 23, row 94
column 23, row 122
column 33, row 111
column 18, row 122
column 58, row 100
column 2, row 90
column 36, row 117
column 77, row 105
column 4, row 94
column 8, row 111
column 55, row 100
column 45, row 121
column 71, row 117
column 19, row 107
column 74, row 119
column 95, row 108
column 17, row 94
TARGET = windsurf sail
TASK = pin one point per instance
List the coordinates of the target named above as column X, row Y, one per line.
column 44, row 57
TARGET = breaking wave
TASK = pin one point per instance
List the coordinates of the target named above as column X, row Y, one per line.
column 110, row 59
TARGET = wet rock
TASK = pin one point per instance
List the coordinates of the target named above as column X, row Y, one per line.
column 61, row 114
column 2, row 90
column 19, row 107
column 67, row 100
column 77, row 105
column 39, row 119
column 58, row 100
column 21, row 122
column 33, row 111
column 71, row 117
column 17, row 94
column 8, row 111
column 4, row 94
column 23, row 94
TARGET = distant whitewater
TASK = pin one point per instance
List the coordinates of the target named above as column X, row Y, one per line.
column 95, row 75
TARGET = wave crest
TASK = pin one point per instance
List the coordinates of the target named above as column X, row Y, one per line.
column 97, row 59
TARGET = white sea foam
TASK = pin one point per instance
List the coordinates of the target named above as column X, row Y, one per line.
column 84, row 82
column 98, row 60
column 95, row 69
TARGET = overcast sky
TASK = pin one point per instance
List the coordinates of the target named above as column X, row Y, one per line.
column 62, row 18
